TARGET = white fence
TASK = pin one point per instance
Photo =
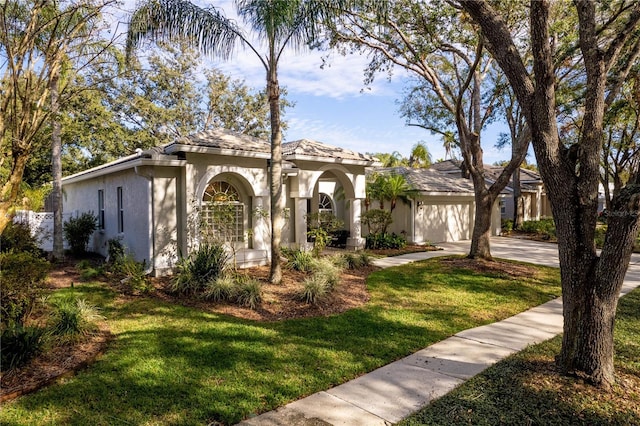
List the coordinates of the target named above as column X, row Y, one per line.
column 41, row 226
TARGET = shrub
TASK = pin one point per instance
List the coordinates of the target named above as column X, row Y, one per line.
column 301, row 261
column 23, row 280
column 135, row 275
column 314, row 289
column 507, row 225
column 385, row 241
column 205, row 264
column 339, row 260
column 115, row 250
column 328, row 271
column 19, row 345
column 248, row 292
column 356, row 260
column 74, row 317
column 320, row 239
column 544, row 228
column 377, row 220
column 288, row 253
column 220, row 289
column 78, row 230
column 17, row 237
column 365, row 259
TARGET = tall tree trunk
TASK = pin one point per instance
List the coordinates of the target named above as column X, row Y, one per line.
column 590, row 284
column 275, row 175
column 481, row 238
column 518, row 201
column 56, row 166
column 11, row 188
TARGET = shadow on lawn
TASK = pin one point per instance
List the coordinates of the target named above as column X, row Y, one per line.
column 171, row 364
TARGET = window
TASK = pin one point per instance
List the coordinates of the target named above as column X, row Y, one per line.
column 325, row 205
column 100, row 209
column 120, row 211
column 503, row 207
column 223, row 212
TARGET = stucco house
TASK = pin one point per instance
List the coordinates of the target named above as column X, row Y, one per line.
column 536, row 204
column 441, row 209
column 158, row 201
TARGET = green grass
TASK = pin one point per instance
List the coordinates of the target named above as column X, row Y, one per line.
column 176, row 365
column 526, row 389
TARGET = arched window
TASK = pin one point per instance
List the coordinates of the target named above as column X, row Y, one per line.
column 325, row 205
column 223, row 212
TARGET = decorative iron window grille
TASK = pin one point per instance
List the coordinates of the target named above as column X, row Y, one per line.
column 222, row 212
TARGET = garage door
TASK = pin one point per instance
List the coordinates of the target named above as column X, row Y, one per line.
column 444, row 222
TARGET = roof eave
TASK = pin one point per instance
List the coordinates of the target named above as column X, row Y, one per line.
column 294, row 157
column 174, row 148
column 120, row 166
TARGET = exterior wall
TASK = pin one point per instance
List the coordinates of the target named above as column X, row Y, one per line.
column 82, row 197
column 167, row 218
column 249, row 176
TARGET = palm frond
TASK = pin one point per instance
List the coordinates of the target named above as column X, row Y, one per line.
column 172, row 20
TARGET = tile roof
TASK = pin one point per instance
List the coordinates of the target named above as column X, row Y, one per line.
column 529, row 179
column 225, row 139
column 311, row 148
column 430, row 180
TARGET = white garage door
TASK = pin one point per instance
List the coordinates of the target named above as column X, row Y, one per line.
column 444, row 222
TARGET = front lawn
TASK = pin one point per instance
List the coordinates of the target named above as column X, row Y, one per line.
column 526, row 388
column 172, row 364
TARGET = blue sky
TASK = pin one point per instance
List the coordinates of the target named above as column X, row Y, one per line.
column 333, row 106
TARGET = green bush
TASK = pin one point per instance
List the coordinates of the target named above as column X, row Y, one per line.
column 19, row 345
column 314, row 289
column 301, row 261
column 17, row 237
column 22, row 276
column 545, row 228
column 385, row 241
column 377, row 221
column 248, row 292
column 507, row 225
column 339, row 260
column 328, row 271
column 115, row 250
column 356, row 260
column 205, row 264
column 74, row 317
column 219, row 290
column 78, row 230
column 135, row 275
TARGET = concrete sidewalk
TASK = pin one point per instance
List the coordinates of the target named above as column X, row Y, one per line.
column 395, row 391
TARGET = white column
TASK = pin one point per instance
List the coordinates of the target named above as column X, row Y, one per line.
column 355, row 240
column 300, row 225
column 261, row 224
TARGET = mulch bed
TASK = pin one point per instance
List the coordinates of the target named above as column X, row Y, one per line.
column 491, row 267
column 61, row 361
column 280, row 301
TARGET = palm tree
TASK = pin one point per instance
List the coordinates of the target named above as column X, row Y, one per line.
column 278, row 23
column 393, row 159
column 394, row 187
column 419, row 157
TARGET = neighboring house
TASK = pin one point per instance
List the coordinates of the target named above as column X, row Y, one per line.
column 160, row 201
column 536, row 203
column 442, row 208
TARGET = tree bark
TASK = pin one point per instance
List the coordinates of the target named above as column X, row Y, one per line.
column 590, row 284
column 481, row 237
column 275, row 174
column 56, row 165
